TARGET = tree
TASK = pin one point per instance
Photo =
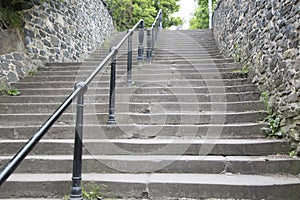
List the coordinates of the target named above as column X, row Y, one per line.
column 127, row 12
column 168, row 7
column 200, row 19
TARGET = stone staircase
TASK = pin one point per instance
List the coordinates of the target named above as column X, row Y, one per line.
column 189, row 126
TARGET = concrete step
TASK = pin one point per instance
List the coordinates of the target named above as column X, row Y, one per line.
column 140, row 118
column 159, row 185
column 139, row 83
column 146, row 66
column 93, row 97
column 256, row 165
column 166, row 53
column 138, row 76
column 223, row 131
column 144, row 90
column 160, row 57
column 173, row 146
column 140, row 107
column 196, row 61
column 140, row 70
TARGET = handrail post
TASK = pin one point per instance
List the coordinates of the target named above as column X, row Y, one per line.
column 153, row 40
column 112, row 91
column 76, row 190
column 157, row 31
column 141, row 40
column 160, row 20
column 129, row 60
column 149, row 45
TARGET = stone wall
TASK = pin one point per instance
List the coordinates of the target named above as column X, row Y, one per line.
column 66, row 31
column 264, row 35
column 58, row 31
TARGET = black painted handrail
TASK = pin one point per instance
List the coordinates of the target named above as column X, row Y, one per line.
column 152, row 35
column 79, row 91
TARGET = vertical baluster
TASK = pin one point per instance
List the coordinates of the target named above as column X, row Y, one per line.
column 111, row 110
column 129, row 60
column 153, row 40
column 76, row 190
column 160, row 20
column 149, row 45
column 141, row 40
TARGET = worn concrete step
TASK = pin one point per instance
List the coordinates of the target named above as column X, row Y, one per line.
column 202, row 61
column 223, row 131
column 224, row 147
column 139, row 76
column 46, row 107
column 159, row 185
column 140, row 70
column 256, row 165
column 145, row 90
column 164, row 52
column 145, row 66
column 159, row 57
column 93, row 96
column 141, row 118
column 139, row 83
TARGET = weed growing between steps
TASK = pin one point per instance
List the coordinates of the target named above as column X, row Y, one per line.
column 92, row 192
column 293, row 153
column 244, row 71
column 32, row 72
column 5, row 90
column 273, row 131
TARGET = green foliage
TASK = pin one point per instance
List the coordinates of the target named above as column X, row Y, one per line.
column 273, row 129
column 245, row 69
column 93, row 192
column 265, row 99
column 293, row 153
column 32, row 72
column 4, row 90
column 237, row 53
column 168, row 7
column 128, row 12
column 10, row 18
column 200, row 19
column 13, row 92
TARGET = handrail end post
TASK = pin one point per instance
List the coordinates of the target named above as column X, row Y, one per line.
column 76, row 190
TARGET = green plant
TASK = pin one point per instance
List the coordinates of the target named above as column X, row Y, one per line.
column 4, row 90
column 273, row 129
column 245, row 69
column 237, row 55
column 13, row 92
column 293, row 153
column 10, row 18
column 32, row 72
column 92, row 192
column 265, row 97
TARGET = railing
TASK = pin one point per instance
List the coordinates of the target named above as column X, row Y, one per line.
column 79, row 91
column 152, row 34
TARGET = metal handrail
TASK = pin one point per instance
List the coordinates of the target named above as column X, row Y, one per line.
column 152, row 34
column 79, row 91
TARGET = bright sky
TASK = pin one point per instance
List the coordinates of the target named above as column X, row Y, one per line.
column 187, row 8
